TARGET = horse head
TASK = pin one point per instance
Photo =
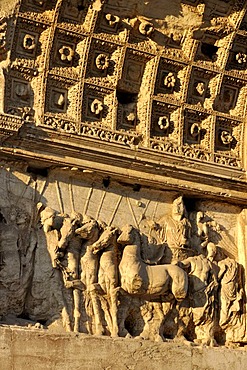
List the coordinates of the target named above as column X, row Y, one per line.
column 90, row 229
column 69, row 225
column 107, row 239
column 129, row 235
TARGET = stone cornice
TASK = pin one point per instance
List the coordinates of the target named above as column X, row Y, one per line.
column 44, row 147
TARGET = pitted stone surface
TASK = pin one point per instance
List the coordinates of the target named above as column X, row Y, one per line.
column 21, row 349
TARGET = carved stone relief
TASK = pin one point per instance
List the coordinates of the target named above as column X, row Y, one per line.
column 78, row 256
column 97, row 93
column 107, row 274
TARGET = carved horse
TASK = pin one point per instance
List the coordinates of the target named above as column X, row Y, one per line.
column 147, row 281
column 108, row 271
column 139, row 278
column 77, row 236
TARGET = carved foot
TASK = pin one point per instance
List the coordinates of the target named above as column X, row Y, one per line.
column 67, row 328
column 143, row 336
column 114, row 335
column 198, row 342
column 139, row 337
column 213, row 343
column 99, row 330
column 232, row 345
column 182, row 339
column 159, row 339
column 209, row 342
column 77, row 325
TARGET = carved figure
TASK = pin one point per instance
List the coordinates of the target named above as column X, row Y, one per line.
column 18, row 242
column 112, row 20
column 170, row 80
column 96, row 107
column 241, row 58
column 230, row 293
column 59, row 99
column 202, row 227
column 226, row 137
column 177, row 228
column 154, row 314
column 195, row 130
column 164, row 122
column 72, row 243
column 108, row 271
column 48, row 221
column 146, row 28
column 202, row 289
column 90, row 232
column 10, row 271
column 102, row 61
column 148, row 282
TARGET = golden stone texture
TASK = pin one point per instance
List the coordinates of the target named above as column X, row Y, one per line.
column 123, row 185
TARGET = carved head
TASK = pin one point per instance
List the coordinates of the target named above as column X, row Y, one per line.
column 22, row 218
column 76, row 218
column 178, row 208
column 47, row 218
column 12, row 214
column 211, row 251
column 107, row 239
column 89, row 229
column 199, row 216
column 129, row 235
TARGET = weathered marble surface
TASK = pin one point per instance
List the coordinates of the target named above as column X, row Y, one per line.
column 123, row 180
column 37, row 350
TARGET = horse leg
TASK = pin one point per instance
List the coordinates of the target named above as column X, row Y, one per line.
column 77, row 312
column 106, row 310
column 88, row 311
column 159, row 321
column 112, row 293
column 154, row 320
column 147, row 315
column 114, row 310
column 104, row 300
column 122, row 313
column 66, row 319
column 183, row 319
column 61, row 296
column 99, row 330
